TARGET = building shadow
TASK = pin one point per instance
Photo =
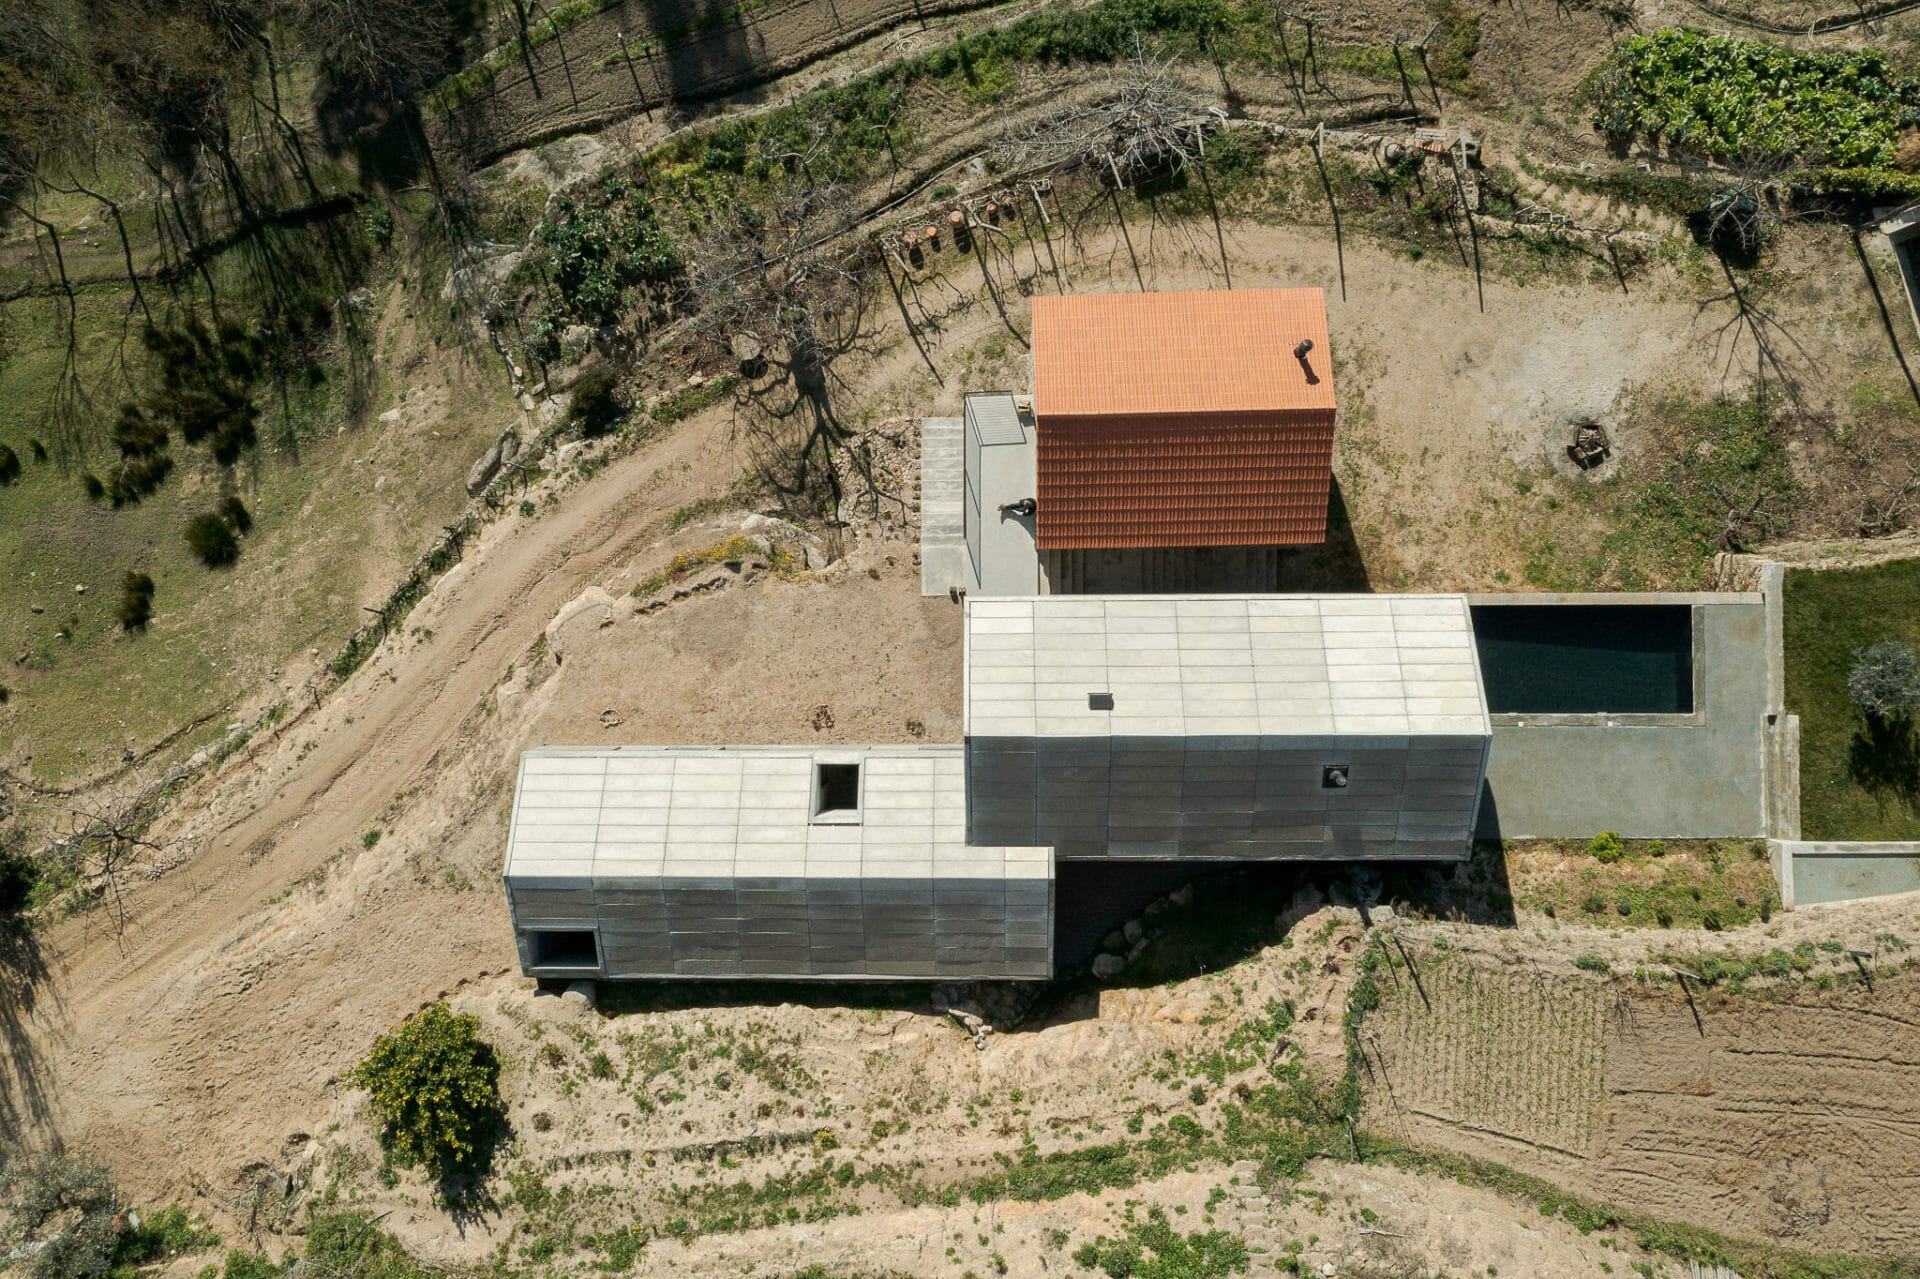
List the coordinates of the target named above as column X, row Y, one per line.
column 624, row 998
column 1333, row 566
column 1476, row 891
column 1884, row 760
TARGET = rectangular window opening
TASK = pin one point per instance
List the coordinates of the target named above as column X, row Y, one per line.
column 564, row 949
column 836, row 792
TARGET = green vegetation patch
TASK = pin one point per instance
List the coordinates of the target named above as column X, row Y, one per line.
column 1153, row 1249
column 1646, row 883
column 1720, row 480
column 1858, row 779
column 1738, row 99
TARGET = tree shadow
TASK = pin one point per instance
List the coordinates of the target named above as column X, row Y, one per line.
column 1884, row 760
column 26, row 1106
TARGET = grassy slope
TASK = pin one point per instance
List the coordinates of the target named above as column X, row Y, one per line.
column 325, row 541
column 1829, row 614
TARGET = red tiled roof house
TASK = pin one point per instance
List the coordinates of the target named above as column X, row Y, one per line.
column 1182, row 419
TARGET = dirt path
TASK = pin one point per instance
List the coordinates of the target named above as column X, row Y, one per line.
column 152, row 1008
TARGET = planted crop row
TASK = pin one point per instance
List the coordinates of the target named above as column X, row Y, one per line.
column 1747, row 100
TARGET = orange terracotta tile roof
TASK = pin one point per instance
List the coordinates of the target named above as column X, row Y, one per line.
column 1182, row 419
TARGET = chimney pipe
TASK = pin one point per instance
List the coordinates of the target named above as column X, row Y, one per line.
column 1302, row 347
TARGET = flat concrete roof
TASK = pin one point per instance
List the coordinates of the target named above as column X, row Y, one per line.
column 1200, row 666
column 651, row 812
column 1009, row 562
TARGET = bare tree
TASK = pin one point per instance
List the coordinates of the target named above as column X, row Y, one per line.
column 100, row 837
column 1148, row 120
column 786, row 274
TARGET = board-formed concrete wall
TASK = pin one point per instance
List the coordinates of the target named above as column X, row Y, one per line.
column 1202, row 727
column 713, row 862
column 1227, row 799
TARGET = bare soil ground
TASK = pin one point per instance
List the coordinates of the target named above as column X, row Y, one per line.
column 1778, row 1116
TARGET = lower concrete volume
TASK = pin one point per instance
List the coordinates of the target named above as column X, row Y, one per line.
column 767, row 862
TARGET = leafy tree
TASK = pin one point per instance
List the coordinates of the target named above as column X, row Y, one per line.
column 136, row 601
column 603, row 248
column 1885, row 680
column 62, row 1207
column 213, row 541
column 435, row 1085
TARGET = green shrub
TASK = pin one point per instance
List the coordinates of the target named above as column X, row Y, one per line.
column 250, row 1265
column 64, row 1206
column 1606, row 847
column 1592, row 964
column 376, row 222
column 603, row 248
column 351, row 1243
column 213, row 541
column 162, row 1233
column 435, row 1086
column 596, row 403
column 136, row 601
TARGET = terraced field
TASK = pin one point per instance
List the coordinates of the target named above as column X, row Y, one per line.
column 1514, row 1055
column 1783, row 1116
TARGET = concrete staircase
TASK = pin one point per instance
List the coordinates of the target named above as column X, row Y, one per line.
column 1248, row 1214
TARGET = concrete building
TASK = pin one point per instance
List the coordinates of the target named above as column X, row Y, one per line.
column 1222, row 728
column 1174, row 729
column 635, row 862
column 1173, row 444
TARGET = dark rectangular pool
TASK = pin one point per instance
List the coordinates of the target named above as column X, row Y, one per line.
column 1581, row 659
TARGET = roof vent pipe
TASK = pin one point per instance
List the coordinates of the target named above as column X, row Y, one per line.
column 1302, row 347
